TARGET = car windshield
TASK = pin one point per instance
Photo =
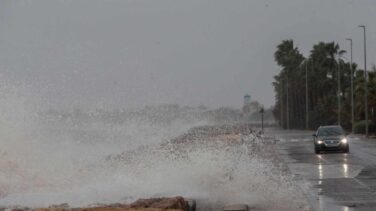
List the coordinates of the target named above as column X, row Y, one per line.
column 330, row 131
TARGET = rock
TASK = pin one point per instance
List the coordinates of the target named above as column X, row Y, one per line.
column 21, row 209
column 162, row 203
column 59, row 206
column 122, row 209
column 154, row 204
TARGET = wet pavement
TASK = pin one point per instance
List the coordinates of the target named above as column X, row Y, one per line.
column 331, row 180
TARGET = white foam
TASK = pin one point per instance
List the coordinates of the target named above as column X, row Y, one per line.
column 63, row 158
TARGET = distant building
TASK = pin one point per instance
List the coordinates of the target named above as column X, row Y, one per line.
column 249, row 106
column 247, row 99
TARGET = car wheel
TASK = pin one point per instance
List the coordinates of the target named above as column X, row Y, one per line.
column 347, row 150
column 317, row 151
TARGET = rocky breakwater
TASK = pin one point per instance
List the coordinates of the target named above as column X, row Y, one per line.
column 152, row 204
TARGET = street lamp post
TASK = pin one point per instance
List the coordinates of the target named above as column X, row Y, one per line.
column 339, row 92
column 287, row 101
column 352, row 84
column 306, row 83
column 262, row 119
column 281, row 119
column 365, row 78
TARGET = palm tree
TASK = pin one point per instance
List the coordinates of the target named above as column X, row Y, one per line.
column 289, row 58
column 323, row 61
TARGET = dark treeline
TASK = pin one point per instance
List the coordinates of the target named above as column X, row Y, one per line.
column 322, row 65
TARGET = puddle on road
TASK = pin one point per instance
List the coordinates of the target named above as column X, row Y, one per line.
column 339, row 181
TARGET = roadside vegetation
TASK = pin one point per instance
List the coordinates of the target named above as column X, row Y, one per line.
column 323, row 63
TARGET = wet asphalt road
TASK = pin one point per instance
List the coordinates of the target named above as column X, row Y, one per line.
column 332, row 180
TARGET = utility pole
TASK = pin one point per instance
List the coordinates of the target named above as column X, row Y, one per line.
column 352, row 84
column 339, row 92
column 281, row 118
column 262, row 119
column 287, row 101
column 306, row 84
column 365, row 78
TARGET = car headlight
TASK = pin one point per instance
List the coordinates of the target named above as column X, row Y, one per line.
column 344, row 141
column 319, row 141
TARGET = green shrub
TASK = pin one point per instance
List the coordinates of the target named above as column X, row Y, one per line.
column 360, row 127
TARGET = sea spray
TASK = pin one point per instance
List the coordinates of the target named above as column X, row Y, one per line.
column 90, row 156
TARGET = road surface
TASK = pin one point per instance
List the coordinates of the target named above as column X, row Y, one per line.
column 333, row 181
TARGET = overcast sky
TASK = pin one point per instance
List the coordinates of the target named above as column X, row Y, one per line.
column 137, row 52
